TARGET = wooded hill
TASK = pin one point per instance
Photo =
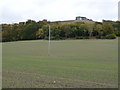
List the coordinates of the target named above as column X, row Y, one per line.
column 32, row 30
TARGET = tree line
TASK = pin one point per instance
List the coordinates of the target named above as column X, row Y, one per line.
column 32, row 30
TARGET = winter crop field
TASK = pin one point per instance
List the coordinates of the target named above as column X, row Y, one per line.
column 71, row 64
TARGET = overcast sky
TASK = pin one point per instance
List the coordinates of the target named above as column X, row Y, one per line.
column 13, row 11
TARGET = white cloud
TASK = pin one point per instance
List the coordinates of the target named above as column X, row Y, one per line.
column 21, row 10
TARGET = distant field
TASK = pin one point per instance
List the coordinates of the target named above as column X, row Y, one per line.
column 72, row 63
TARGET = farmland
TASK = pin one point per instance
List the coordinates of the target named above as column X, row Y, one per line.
column 71, row 63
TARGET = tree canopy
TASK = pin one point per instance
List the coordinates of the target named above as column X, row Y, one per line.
column 32, row 30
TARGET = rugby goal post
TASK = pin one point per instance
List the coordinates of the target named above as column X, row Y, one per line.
column 49, row 41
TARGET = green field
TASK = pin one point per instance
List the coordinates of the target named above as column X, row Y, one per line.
column 72, row 63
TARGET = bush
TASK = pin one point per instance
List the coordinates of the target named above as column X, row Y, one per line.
column 111, row 36
column 98, row 37
column 79, row 37
column 54, row 38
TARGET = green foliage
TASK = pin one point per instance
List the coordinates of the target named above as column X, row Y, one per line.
column 98, row 37
column 6, row 33
column 79, row 37
column 111, row 36
column 67, row 31
column 40, row 34
column 54, row 38
column 95, row 32
column 97, row 29
column 117, row 28
column 108, row 28
column 31, row 30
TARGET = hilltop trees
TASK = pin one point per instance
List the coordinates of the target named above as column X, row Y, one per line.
column 40, row 34
column 31, row 30
column 22, row 31
column 98, row 30
column 67, row 31
column 6, row 32
column 116, row 27
column 108, row 28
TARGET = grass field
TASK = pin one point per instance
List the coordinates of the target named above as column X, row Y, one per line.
column 72, row 63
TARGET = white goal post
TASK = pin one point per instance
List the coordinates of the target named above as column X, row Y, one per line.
column 49, row 42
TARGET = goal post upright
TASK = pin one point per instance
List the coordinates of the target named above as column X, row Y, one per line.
column 49, row 42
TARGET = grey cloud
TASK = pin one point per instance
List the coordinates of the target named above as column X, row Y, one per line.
column 18, row 10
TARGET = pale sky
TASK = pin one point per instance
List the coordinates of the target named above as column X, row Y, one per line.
column 14, row 11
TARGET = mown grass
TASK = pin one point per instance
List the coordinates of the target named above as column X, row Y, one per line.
column 72, row 63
